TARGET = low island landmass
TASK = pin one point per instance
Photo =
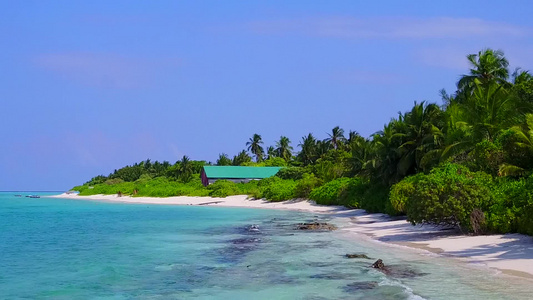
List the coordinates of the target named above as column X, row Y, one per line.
column 463, row 169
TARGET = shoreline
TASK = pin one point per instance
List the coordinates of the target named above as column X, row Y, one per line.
column 511, row 254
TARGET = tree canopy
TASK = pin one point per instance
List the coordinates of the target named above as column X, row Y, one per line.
column 433, row 162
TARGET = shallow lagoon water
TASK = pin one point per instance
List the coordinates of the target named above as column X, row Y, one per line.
column 67, row 249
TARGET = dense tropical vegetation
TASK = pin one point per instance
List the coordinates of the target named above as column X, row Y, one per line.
column 465, row 163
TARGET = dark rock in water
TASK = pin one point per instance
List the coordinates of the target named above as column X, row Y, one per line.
column 253, row 228
column 361, row 285
column 315, row 226
column 378, row 265
column 236, row 250
column 397, row 271
column 400, row 271
column 357, row 255
column 286, row 234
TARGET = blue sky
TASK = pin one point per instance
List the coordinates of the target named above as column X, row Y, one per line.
column 90, row 86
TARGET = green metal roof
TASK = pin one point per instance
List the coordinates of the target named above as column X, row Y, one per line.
column 240, row 172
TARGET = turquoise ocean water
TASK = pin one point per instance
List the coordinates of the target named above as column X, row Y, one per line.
column 72, row 249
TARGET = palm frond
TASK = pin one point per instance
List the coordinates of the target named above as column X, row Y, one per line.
column 510, row 170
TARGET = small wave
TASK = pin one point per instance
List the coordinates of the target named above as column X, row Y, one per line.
column 430, row 254
column 164, row 267
column 477, row 263
column 407, row 290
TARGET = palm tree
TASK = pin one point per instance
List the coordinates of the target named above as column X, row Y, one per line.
column 520, row 76
column 147, row 164
column 308, row 153
column 185, row 169
column 336, row 138
column 423, row 125
column 224, row 160
column 284, row 148
column 481, row 114
column 271, row 152
column 157, row 169
column 484, row 112
column 488, row 65
column 523, row 91
column 383, row 161
column 361, row 159
column 241, row 158
column 352, row 136
column 322, row 147
column 254, row 146
column 524, row 140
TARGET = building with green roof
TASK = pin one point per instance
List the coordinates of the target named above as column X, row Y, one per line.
column 210, row 174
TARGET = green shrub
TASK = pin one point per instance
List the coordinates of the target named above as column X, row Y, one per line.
column 512, row 210
column 96, row 180
column 487, row 157
column 143, row 179
column 294, row 173
column 277, row 189
column 156, row 187
column 255, row 193
column 354, row 193
column 273, row 162
column 402, row 191
column 79, row 188
column 126, row 188
column 328, row 170
column 247, row 188
column 448, row 196
column 329, row 193
column 113, row 181
column 166, row 187
column 223, row 188
column 305, row 185
column 502, row 215
column 373, row 197
column 332, row 165
column 524, row 206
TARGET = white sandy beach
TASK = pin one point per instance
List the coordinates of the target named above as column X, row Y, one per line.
column 510, row 253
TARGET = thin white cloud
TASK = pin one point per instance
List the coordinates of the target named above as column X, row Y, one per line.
column 389, row 28
column 97, row 70
column 367, row 77
column 453, row 58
